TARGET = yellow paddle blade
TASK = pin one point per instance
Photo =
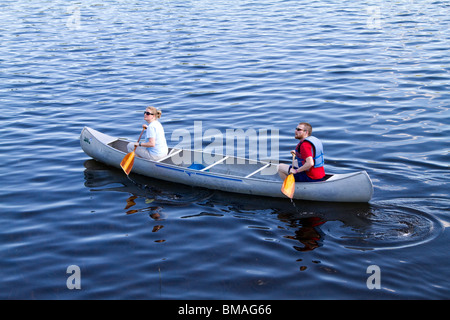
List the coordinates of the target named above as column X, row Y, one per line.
column 128, row 162
column 288, row 187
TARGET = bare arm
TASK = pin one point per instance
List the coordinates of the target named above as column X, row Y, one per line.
column 150, row 144
column 309, row 162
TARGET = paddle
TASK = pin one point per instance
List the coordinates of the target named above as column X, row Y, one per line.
column 128, row 162
column 288, row 187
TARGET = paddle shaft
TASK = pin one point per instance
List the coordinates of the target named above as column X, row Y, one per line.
column 128, row 162
column 143, row 130
column 288, row 187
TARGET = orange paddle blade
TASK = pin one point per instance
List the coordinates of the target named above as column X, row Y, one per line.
column 128, row 162
column 288, row 187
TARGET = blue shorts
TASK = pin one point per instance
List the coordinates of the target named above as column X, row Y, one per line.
column 303, row 177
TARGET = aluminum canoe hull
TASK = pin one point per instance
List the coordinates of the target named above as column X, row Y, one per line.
column 230, row 174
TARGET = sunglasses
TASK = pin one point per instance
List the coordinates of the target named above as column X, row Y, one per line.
column 148, row 113
column 298, row 129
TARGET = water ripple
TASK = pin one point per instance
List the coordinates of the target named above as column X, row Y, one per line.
column 391, row 225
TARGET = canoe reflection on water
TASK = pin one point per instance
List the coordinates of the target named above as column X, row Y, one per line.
column 305, row 217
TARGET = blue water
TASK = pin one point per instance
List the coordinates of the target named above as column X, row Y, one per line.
column 372, row 77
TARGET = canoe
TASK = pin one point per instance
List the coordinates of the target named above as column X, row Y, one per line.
column 226, row 173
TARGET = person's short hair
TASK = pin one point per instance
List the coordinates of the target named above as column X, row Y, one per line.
column 307, row 127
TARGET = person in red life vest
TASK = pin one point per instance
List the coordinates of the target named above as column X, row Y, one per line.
column 309, row 154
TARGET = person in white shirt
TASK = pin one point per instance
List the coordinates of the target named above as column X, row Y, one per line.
column 154, row 147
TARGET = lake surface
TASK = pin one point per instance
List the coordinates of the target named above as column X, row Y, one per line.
column 372, row 77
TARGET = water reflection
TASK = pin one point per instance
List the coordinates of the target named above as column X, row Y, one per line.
column 150, row 196
column 358, row 226
column 99, row 177
column 308, row 233
column 154, row 212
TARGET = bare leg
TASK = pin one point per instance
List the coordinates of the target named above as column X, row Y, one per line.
column 283, row 170
column 141, row 152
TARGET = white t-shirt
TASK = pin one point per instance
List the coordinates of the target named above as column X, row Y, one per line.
column 155, row 130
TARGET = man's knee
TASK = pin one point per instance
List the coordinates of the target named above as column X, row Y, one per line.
column 283, row 170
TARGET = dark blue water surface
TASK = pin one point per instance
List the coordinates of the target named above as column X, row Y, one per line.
column 372, row 77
